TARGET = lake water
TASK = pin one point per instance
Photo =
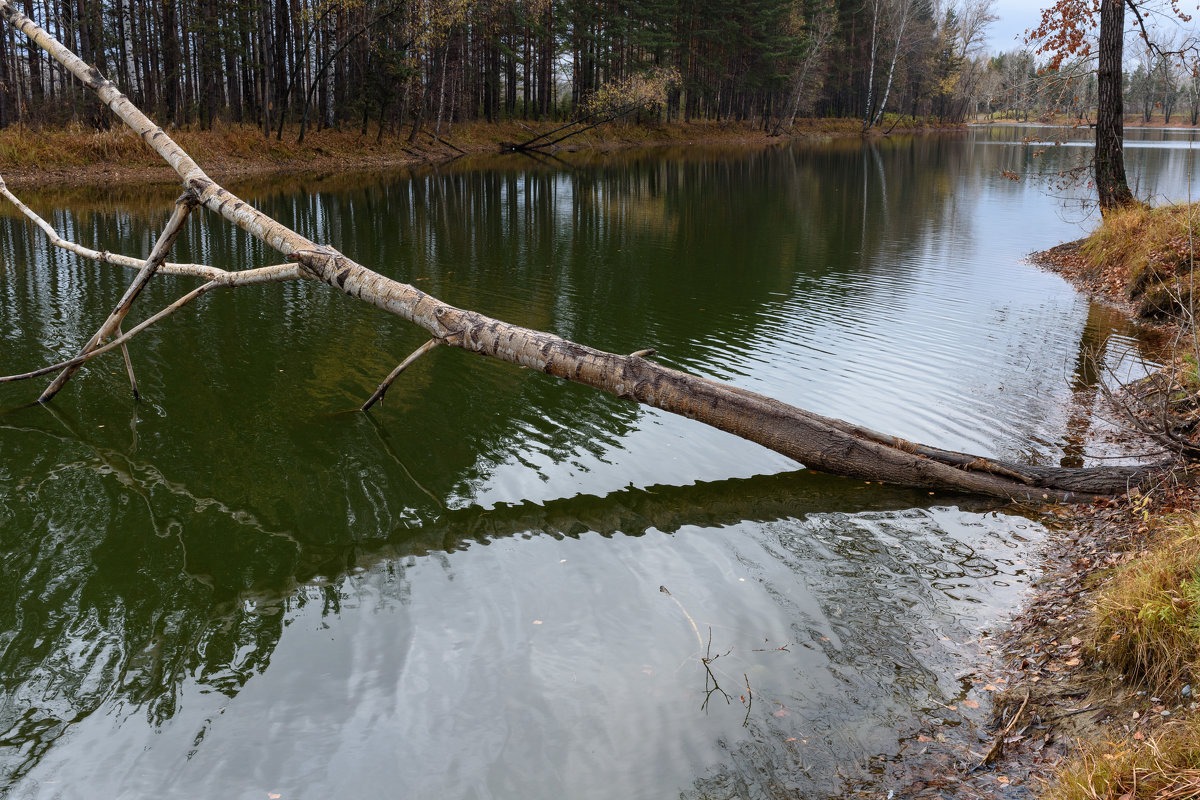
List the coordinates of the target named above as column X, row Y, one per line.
column 498, row 585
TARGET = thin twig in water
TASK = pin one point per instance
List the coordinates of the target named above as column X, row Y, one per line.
column 710, row 678
column 1065, row 714
column 998, row 743
column 749, row 701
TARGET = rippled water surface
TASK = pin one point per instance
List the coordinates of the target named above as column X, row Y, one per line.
column 498, row 585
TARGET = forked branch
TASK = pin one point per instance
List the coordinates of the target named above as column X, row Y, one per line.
column 120, row 341
column 216, row 277
column 246, row 277
column 183, row 207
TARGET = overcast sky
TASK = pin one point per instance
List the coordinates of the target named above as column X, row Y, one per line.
column 1018, row 15
column 1015, row 16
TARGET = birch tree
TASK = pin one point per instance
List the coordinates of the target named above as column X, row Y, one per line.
column 818, row 442
column 890, row 20
column 808, row 73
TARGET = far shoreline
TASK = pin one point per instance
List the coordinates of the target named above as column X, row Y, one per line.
column 78, row 157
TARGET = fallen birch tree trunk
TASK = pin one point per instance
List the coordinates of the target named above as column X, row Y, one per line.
column 818, row 442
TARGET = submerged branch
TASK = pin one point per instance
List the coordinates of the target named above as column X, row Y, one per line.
column 183, row 207
column 119, row 341
column 405, row 364
column 128, row 365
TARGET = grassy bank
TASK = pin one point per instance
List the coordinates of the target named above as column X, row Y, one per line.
column 1148, row 255
column 1145, row 624
column 1140, row 258
column 76, row 154
column 1138, row 631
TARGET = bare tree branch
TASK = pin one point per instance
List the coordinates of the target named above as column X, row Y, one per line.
column 183, row 207
column 405, row 364
column 221, row 276
column 118, row 342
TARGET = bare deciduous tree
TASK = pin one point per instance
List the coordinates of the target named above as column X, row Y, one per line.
column 819, row 442
column 890, row 20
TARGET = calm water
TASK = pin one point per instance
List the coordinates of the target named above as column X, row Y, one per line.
column 239, row 588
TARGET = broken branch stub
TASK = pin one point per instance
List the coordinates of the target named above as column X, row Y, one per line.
column 390, row 379
column 128, row 365
column 817, row 442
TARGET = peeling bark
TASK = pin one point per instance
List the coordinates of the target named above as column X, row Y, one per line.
column 818, row 442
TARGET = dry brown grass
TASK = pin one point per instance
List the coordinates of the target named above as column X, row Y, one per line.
column 1146, row 623
column 1147, row 617
column 25, row 151
column 1164, row 767
column 78, row 146
column 1148, row 254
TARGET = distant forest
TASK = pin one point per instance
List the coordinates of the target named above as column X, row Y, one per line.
column 398, row 63
column 401, row 64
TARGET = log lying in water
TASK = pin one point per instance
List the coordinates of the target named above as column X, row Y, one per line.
column 818, row 442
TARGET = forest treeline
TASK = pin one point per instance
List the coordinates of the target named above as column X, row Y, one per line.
column 1158, row 82
column 401, row 64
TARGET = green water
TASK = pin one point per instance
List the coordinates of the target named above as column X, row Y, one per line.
column 240, row 587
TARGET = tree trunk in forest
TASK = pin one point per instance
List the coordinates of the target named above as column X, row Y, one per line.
column 869, row 111
column 35, row 69
column 6, row 85
column 186, row 76
column 818, row 442
column 904, row 12
column 279, row 59
column 265, row 68
column 170, row 50
column 319, row 80
column 122, row 68
column 235, row 89
column 212, row 86
column 1111, row 184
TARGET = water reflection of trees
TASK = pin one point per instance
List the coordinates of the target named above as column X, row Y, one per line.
column 637, row 251
column 123, row 581
column 1057, row 160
